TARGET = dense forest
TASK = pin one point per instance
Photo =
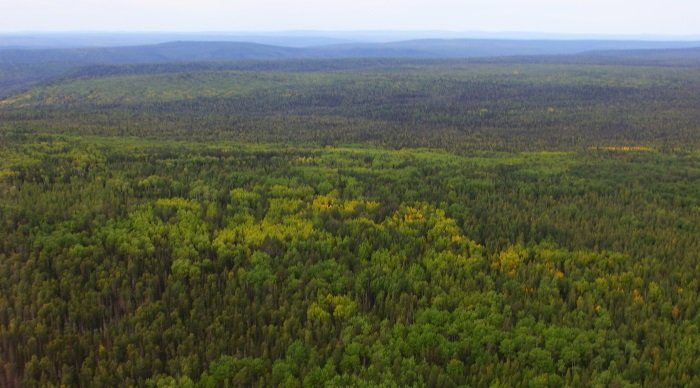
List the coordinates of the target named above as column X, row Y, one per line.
column 388, row 103
column 359, row 222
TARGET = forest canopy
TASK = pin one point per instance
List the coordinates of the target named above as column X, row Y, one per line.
column 352, row 223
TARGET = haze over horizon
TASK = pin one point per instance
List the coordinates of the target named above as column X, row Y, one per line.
column 594, row 17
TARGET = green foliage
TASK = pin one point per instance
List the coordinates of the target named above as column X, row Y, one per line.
column 137, row 261
column 274, row 279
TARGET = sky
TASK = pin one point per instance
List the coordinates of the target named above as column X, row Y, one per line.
column 619, row 17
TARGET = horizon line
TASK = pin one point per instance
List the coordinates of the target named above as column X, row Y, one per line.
column 343, row 31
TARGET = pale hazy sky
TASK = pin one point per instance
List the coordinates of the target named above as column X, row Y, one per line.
column 670, row 17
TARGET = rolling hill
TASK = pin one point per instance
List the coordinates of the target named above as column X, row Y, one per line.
column 22, row 68
column 182, row 51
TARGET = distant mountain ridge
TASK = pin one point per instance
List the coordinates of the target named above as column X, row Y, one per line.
column 164, row 52
column 189, row 51
column 297, row 38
